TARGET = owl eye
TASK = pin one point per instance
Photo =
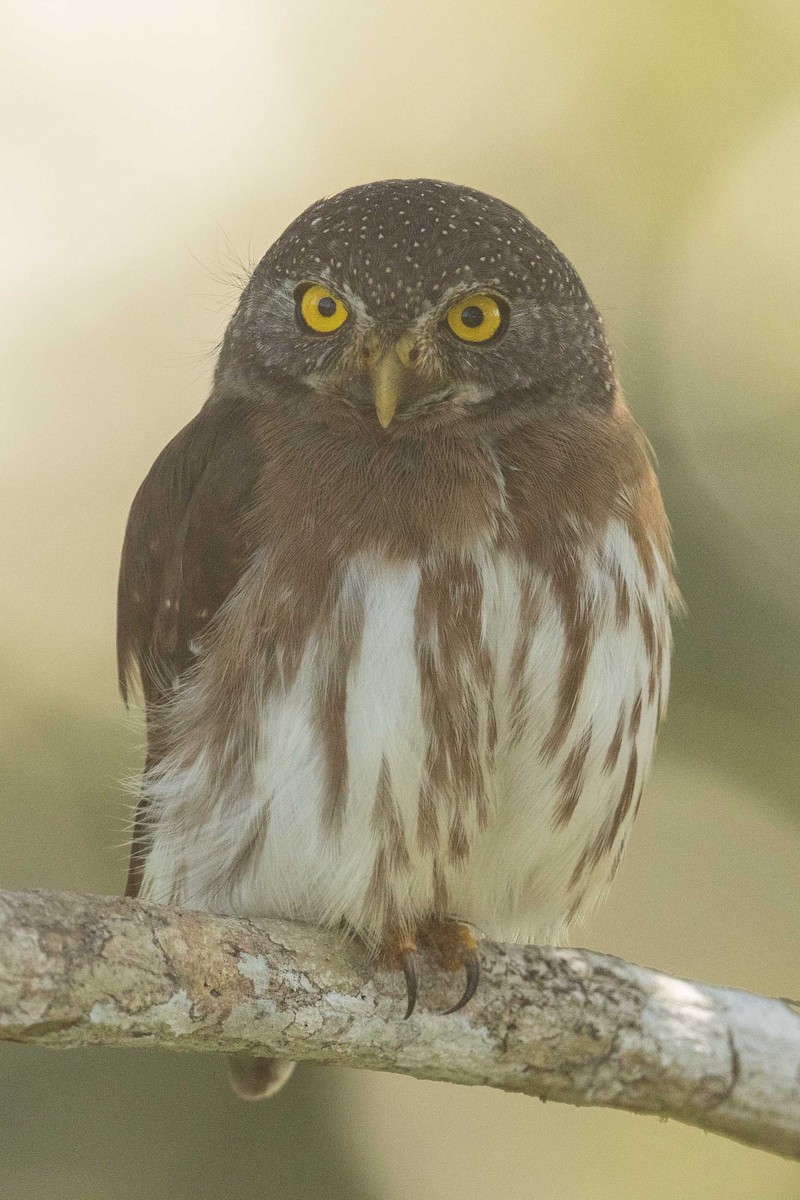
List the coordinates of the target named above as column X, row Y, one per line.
column 319, row 309
column 476, row 318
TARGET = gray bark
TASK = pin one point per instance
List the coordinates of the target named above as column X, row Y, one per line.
column 561, row 1024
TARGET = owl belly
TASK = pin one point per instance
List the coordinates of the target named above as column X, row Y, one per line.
column 463, row 737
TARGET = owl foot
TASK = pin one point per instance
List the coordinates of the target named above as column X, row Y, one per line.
column 452, row 945
column 455, row 947
column 399, row 953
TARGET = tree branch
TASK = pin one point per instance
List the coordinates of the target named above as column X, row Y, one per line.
column 560, row 1024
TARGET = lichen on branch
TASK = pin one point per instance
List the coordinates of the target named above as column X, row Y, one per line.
column 560, row 1024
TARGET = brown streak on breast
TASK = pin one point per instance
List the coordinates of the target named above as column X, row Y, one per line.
column 638, row 803
column 455, row 682
column 571, row 778
column 579, row 633
column 491, row 734
column 617, row 860
column 427, row 818
column 615, row 745
column 386, row 822
column 621, row 811
column 580, row 868
column 340, row 627
column 441, row 895
column 648, row 631
column 656, row 668
column 378, row 896
column 636, row 717
column 458, row 845
column 604, row 841
column 622, row 601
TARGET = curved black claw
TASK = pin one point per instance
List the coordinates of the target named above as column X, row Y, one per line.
column 472, row 966
column 410, row 972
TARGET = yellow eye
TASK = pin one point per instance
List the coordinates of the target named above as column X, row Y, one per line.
column 320, row 310
column 476, row 318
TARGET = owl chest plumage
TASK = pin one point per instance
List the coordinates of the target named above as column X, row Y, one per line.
column 461, row 733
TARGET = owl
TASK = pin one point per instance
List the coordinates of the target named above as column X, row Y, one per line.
column 398, row 596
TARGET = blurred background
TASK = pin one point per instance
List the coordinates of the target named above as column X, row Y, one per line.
column 151, row 153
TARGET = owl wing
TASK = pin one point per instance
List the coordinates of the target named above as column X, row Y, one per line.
column 183, row 552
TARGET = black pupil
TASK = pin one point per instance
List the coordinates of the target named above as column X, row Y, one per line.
column 472, row 316
column 326, row 307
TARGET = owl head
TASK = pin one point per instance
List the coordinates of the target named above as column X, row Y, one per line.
column 399, row 306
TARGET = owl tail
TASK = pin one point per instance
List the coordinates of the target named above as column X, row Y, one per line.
column 256, row 1078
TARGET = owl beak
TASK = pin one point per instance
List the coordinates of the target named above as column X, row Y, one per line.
column 387, row 375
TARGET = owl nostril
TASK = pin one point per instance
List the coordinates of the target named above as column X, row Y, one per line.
column 413, row 354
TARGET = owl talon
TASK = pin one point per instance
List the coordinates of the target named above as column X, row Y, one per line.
column 472, row 966
column 399, row 953
column 410, row 972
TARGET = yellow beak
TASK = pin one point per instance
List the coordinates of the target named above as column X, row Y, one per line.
column 386, row 379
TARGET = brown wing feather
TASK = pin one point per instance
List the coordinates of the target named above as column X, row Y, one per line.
column 183, row 552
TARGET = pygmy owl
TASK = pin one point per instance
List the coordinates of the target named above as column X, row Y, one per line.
column 399, row 595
